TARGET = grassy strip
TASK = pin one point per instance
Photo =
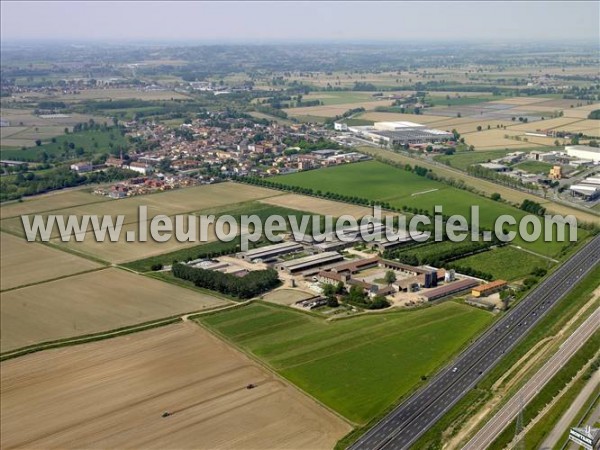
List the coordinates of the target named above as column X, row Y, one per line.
column 550, row 325
column 88, row 338
column 548, row 392
column 542, row 428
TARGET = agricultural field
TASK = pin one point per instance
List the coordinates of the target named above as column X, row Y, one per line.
column 534, row 166
column 378, row 358
column 117, row 94
column 131, row 380
column 286, row 296
column 89, row 143
column 26, row 127
column 317, row 205
column 51, row 201
column 23, row 263
column 506, row 263
column 195, row 199
column 384, row 183
column 336, row 109
column 91, row 303
column 340, row 97
column 488, row 187
column 398, row 117
column 398, row 187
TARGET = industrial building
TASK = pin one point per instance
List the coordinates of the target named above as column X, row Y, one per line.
column 309, row 262
column 584, row 152
column 400, row 133
column 449, row 289
column 588, row 188
column 486, row 289
column 270, row 251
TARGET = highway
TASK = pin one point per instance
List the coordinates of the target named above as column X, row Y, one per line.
column 408, row 421
column 509, row 411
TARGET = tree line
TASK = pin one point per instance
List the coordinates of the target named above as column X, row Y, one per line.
column 252, row 284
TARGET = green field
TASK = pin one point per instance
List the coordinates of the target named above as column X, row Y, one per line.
column 357, row 366
column 88, row 143
column 375, row 180
column 463, row 160
column 507, row 263
column 535, row 166
column 378, row 181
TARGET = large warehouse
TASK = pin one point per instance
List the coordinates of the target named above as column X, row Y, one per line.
column 400, row 133
column 584, row 152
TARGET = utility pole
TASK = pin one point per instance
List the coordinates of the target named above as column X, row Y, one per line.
column 518, row 441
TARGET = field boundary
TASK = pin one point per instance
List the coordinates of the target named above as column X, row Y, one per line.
column 269, row 368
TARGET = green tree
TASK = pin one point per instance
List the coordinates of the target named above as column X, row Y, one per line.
column 390, row 277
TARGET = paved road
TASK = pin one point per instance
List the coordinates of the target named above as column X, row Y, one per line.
column 509, row 411
column 407, row 422
column 588, row 391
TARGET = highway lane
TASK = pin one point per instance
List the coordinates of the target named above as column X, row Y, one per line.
column 412, row 418
column 508, row 412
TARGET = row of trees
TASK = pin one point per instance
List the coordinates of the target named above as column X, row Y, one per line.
column 533, row 207
column 481, row 172
column 32, row 183
column 254, row 283
column 438, row 258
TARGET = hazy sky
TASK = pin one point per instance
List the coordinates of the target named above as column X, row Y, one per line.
column 297, row 21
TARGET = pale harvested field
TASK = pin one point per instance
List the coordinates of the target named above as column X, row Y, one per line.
column 517, row 101
column 111, row 394
column 541, row 140
column 335, row 110
column 51, row 201
column 122, row 251
column 317, row 205
column 548, row 124
column 90, row 303
column 470, row 124
column 168, row 203
column 119, row 94
column 396, row 117
column 23, row 262
column 588, row 127
column 6, row 132
column 558, row 103
column 489, row 139
column 286, row 296
column 577, row 113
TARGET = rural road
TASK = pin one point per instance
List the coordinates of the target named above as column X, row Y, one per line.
column 496, row 424
column 586, row 393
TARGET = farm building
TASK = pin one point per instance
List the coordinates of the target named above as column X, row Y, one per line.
column 584, row 152
column 309, row 262
column 486, row 289
column 82, row 166
column 270, row 251
column 449, row 289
